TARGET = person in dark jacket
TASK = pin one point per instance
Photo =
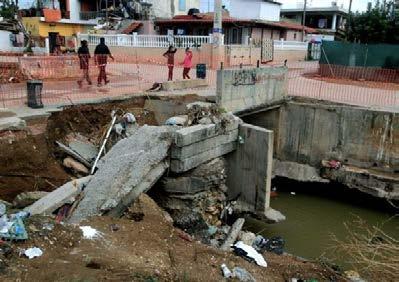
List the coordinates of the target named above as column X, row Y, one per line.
column 84, row 57
column 170, row 56
column 101, row 54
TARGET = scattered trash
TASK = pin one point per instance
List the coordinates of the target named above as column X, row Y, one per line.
column 293, row 193
column 114, row 227
column 89, row 232
column 249, row 253
column 13, row 228
column 274, row 244
column 243, row 275
column 48, row 226
column 334, row 164
column 129, row 118
column 33, row 252
column 226, row 271
column 259, row 243
column 247, row 238
column 177, row 120
column 212, row 230
column 353, row 276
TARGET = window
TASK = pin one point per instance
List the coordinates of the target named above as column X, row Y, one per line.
column 182, row 5
column 295, row 36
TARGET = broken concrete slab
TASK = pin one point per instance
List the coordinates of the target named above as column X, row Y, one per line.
column 148, row 181
column 87, row 150
column 123, row 169
column 27, row 198
column 183, row 84
column 12, row 123
column 63, row 195
column 73, row 154
column 273, row 215
column 297, row 171
column 183, row 165
column 205, row 145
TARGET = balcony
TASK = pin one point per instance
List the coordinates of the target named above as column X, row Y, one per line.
column 91, row 15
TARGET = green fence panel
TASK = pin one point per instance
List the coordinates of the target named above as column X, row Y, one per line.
column 360, row 55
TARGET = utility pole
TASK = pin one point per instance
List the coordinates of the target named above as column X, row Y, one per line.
column 304, row 19
column 217, row 35
column 350, row 7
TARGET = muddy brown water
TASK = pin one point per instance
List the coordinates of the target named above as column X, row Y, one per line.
column 316, row 212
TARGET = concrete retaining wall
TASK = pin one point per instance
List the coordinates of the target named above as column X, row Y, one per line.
column 243, row 89
column 363, row 140
column 308, row 133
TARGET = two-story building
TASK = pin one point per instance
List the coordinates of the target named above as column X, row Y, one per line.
column 327, row 20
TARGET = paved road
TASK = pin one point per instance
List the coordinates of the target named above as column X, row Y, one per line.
column 130, row 79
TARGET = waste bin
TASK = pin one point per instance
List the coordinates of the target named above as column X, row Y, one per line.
column 201, row 71
column 35, row 93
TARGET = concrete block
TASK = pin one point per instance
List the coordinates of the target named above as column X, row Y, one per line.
column 202, row 146
column 297, row 171
column 192, row 162
column 185, row 185
column 12, row 123
column 184, row 84
column 63, row 195
column 5, row 113
column 197, row 133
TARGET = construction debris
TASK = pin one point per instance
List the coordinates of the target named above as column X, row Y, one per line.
column 66, row 194
column 233, row 234
column 27, row 198
column 33, row 252
column 133, row 164
column 75, row 166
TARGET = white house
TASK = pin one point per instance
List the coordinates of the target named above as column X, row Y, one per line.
column 266, row 10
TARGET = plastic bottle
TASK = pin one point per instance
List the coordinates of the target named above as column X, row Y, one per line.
column 226, row 271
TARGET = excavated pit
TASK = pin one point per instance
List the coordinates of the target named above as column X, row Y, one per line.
column 31, row 161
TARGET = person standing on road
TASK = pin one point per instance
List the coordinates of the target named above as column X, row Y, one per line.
column 187, row 63
column 84, row 57
column 101, row 54
column 170, row 56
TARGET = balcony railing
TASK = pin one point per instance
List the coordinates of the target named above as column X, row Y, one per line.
column 92, row 15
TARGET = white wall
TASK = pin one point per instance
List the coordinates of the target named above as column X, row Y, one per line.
column 270, row 12
column 189, row 4
column 254, row 10
column 5, row 43
column 74, row 7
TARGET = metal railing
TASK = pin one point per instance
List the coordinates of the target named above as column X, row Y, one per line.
column 156, row 41
column 290, row 45
column 92, row 15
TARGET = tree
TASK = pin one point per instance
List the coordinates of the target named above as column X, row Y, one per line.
column 8, row 9
column 379, row 24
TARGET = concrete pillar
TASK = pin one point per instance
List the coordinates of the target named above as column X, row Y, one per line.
column 47, row 45
column 334, row 22
column 217, row 36
column 250, row 169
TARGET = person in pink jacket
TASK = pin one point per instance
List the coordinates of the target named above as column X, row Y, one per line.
column 187, row 63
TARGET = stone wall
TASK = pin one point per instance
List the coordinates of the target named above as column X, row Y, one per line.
column 242, row 89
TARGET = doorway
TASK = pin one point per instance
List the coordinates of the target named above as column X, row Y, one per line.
column 52, row 37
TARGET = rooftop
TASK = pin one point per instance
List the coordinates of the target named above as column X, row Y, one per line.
column 316, row 9
column 208, row 18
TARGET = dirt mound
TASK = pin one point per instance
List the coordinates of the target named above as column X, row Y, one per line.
column 149, row 249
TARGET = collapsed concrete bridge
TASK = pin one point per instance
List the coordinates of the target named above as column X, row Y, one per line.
column 314, row 140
